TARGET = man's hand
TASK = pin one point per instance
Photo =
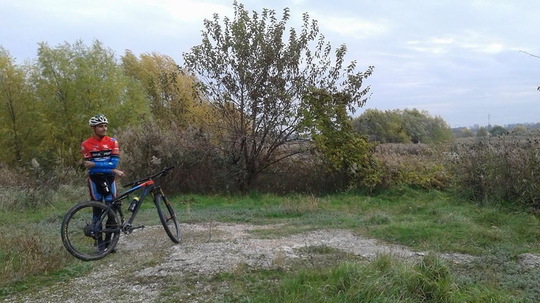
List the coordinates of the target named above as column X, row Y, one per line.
column 118, row 172
column 89, row 164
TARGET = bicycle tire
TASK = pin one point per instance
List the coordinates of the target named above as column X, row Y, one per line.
column 85, row 237
column 168, row 218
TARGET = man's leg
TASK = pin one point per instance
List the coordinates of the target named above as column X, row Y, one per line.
column 95, row 195
column 109, row 199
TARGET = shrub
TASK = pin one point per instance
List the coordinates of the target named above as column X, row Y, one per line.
column 200, row 167
column 417, row 165
column 34, row 187
column 499, row 169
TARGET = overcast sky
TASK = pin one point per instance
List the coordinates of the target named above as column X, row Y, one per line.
column 463, row 60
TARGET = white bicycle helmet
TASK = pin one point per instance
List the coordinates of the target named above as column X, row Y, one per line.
column 97, row 120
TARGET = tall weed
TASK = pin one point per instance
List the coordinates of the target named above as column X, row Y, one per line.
column 503, row 169
column 199, row 165
column 417, row 165
column 34, row 187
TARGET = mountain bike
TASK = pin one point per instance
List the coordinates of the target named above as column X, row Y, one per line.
column 91, row 229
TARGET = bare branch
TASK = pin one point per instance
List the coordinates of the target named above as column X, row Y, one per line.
column 532, row 55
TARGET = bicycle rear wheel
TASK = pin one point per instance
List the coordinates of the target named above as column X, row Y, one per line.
column 168, row 217
column 90, row 230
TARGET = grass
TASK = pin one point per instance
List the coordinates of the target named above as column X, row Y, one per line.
column 31, row 251
column 333, row 276
column 427, row 221
column 386, row 279
column 433, row 220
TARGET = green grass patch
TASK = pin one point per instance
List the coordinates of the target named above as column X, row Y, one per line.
column 385, row 279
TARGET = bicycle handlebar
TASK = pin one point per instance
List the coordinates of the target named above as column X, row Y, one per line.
column 161, row 173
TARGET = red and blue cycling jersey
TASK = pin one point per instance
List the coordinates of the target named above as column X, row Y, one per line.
column 105, row 153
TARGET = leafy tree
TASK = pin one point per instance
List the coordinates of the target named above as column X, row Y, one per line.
column 498, row 130
column 422, row 127
column 463, row 132
column 256, row 78
column 19, row 115
column 75, row 82
column 520, row 130
column 482, row 132
column 403, row 126
column 331, row 129
column 170, row 91
column 382, row 126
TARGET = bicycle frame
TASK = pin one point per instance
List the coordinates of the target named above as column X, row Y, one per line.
column 149, row 187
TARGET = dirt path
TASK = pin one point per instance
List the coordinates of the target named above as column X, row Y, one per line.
column 148, row 265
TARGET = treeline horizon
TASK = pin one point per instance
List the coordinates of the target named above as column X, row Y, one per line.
column 161, row 117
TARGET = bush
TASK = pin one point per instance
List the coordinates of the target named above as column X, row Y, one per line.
column 203, row 168
column 200, row 167
column 34, row 187
column 499, row 169
column 417, row 165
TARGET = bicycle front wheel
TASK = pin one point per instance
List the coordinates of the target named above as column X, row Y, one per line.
column 90, row 230
column 168, row 217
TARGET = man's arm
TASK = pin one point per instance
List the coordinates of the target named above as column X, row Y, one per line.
column 103, row 166
column 112, row 164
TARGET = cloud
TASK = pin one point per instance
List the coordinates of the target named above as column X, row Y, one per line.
column 353, row 27
column 197, row 12
column 468, row 41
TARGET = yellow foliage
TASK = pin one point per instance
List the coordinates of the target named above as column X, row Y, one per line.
column 171, row 91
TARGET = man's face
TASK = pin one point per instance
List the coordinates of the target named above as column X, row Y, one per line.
column 100, row 130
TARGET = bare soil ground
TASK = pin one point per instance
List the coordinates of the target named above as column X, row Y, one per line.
column 148, row 267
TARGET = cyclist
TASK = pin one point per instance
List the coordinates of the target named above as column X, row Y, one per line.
column 101, row 155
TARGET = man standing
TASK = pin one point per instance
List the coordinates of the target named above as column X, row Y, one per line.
column 101, row 155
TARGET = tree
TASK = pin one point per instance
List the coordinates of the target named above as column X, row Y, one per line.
column 256, row 78
column 75, row 82
column 170, row 91
column 463, row 132
column 403, row 126
column 382, row 126
column 520, row 130
column 333, row 134
column 498, row 130
column 482, row 132
column 18, row 113
column 422, row 127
